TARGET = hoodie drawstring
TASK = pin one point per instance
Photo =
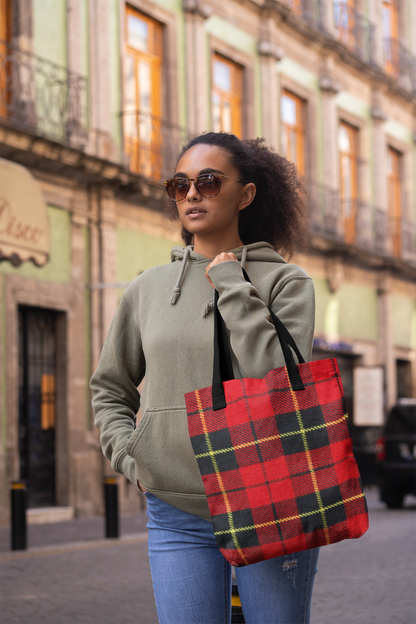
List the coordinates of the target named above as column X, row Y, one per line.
column 208, row 305
column 177, row 288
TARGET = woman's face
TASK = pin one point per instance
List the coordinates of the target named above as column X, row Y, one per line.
column 207, row 216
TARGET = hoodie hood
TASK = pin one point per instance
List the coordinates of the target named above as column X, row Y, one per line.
column 259, row 252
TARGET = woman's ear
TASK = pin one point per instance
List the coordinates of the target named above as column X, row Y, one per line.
column 247, row 194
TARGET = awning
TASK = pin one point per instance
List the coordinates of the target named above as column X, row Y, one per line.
column 24, row 226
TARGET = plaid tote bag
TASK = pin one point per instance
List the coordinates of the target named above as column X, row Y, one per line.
column 275, row 455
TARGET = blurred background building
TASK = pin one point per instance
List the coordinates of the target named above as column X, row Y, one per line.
column 96, row 98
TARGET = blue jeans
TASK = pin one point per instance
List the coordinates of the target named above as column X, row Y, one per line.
column 192, row 580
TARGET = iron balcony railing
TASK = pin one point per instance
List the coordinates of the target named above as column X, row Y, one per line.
column 403, row 240
column 309, row 10
column 42, row 97
column 355, row 31
column 359, row 224
column 400, row 63
column 151, row 144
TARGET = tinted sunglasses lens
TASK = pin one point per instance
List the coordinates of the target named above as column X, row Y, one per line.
column 177, row 189
column 208, row 186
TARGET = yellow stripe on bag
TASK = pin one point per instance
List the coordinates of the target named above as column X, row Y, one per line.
column 275, row 437
column 309, row 459
column 295, row 517
column 218, row 474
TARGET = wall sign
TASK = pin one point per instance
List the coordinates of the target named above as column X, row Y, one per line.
column 369, row 396
column 24, row 227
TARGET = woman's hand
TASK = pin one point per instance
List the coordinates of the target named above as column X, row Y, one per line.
column 222, row 257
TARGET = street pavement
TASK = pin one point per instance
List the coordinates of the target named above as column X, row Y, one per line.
column 70, row 574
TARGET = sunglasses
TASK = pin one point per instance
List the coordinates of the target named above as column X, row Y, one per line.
column 207, row 185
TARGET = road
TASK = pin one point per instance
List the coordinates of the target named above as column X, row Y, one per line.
column 106, row 581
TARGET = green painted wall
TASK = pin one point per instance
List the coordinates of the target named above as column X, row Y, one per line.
column 298, row 73
column 240, row 40
column 58, row 269
column 351, row 104
column 50, row 30
column 350, row 312
column 137, row 252
column 403, row 318
column 398, row 131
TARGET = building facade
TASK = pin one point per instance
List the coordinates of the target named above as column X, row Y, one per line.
column 97, row 97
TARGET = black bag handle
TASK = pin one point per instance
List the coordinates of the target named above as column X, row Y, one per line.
column 223, row 368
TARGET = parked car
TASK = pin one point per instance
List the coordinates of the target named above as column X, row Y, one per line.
column 396, row 454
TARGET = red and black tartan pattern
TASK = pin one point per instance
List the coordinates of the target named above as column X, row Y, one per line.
column 277, row 464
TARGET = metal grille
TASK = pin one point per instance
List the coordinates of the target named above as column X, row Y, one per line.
column 37, row 364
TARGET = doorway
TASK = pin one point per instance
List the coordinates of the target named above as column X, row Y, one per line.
column 37, row 402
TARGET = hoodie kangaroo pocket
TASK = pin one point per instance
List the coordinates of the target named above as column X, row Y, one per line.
column 163, row 452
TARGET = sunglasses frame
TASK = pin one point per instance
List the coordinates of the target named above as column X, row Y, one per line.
column 189, row 180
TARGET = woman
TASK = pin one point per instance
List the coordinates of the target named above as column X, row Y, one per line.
column 237, row 202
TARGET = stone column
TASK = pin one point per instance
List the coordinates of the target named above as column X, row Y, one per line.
column 197, row 65
column 22, row 24
column 385, row 340
column 329, row 88
column 379, row 155
column 327, row 16
column 74, row 36
column 270, row 53
column 376, row 16
column 100, row 141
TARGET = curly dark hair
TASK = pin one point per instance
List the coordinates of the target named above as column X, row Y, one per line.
column 277, row 213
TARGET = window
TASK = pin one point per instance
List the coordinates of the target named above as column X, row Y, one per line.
column 344, row 19
column 394, row 199
column 293, row 129
column 142, row 93
column 390, row 36
column 5, row 20
column 227, row 95
column 347, row 146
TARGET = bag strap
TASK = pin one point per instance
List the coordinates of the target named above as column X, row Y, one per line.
column 223, row 368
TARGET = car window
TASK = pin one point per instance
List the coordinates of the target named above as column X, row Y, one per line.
column 402, row 419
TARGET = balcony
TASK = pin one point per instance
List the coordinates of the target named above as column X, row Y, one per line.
column 400, row 63
column 309, row 10
column 42, row 98
column 359, row 225
column 355, row 31
column 151, row 144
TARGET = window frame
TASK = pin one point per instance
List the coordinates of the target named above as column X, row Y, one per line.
column 246, row 61
column 169, row 68
column 394, row 221
column 299, row 129
column 311, row 145
column 235, row 99
column 349, row 204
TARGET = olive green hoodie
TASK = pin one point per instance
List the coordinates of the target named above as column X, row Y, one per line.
column 163, row 331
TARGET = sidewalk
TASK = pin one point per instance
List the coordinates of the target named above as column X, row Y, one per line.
column 75, row 531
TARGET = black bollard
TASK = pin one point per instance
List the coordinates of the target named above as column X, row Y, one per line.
column 111, row 507
column 18, row 511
